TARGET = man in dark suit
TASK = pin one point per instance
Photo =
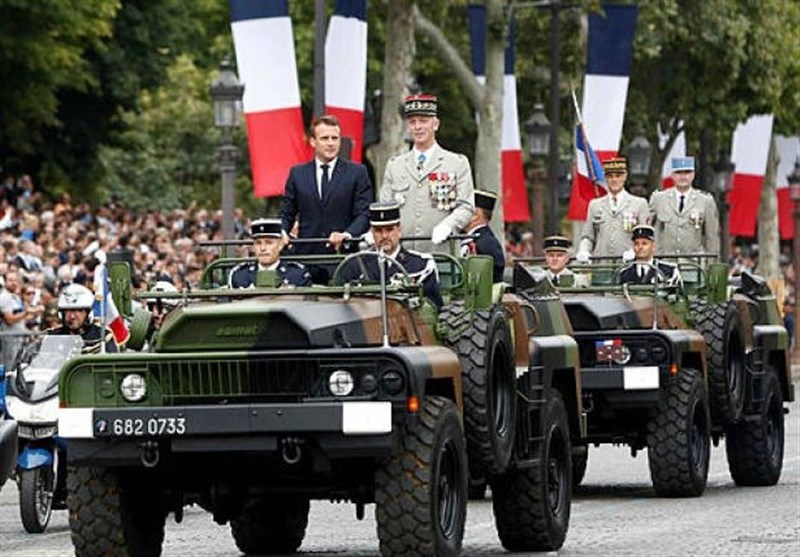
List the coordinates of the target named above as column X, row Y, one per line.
column 486, row 242
column 329, row 196
column 267, row 244
column 386, row 230
column 642, row 271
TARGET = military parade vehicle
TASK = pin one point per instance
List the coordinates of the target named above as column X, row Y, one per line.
column 674, row 368
column 250, row 403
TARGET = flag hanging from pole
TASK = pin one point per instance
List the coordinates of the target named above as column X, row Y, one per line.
column 515, row 196
column 346, row 70
column 749, row 153
column 605, row 91
column 789, row 151
column 105, row 310
column 265, row 58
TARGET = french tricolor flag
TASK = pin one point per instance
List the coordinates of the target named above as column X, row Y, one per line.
column 346, row 70
column 678, row 150
column 105, row 309
column 605, row 91
column 515, row 197
column 265, row 58
column 789, row 150
column 749, row 153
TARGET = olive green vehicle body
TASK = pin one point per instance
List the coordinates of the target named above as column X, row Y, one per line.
column 658, row 327
column 238, row 399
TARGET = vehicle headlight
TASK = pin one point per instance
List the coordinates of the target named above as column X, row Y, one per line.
column 340, row 383
column 622, row 355
column 133, row 387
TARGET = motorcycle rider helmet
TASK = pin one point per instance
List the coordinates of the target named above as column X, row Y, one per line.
column 168, row 287
column 75, row 296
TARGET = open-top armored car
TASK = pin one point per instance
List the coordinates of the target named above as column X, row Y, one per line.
column 674, row 368
column 250, row 403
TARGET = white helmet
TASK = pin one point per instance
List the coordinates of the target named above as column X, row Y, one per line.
column 75, row 296
column 167, row 287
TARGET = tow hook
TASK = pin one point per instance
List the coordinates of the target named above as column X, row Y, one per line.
column 150, row 454
column 291, row 450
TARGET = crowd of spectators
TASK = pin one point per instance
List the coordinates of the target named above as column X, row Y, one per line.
column 48, row 243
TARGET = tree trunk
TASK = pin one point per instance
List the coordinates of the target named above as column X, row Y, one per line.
column 487, row 99
column 400, row 51
column 768, row 234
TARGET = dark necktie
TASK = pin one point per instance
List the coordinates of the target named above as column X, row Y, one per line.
column 680, row 203
column 555, row 280
column 324, row 182
column 641, row 272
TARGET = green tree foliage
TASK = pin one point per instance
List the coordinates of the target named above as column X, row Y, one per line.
column 711, row 65
column 43, row 46
column 166, row 157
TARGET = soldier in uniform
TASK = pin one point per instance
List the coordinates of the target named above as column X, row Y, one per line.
column 611, row 218
column 267, row 244
column 556, row 256
column 685, row 219
column 386, row 230
column 75, row 308
column 641, row 271
column 486, row 242
column 432, row 185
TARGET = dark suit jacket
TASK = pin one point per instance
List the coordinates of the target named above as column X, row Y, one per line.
column 487, row 244
column 345, row 207
column 630, row 274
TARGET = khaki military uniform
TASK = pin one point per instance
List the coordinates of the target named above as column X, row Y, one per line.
column 693, row 230
column 441, row 192
column 607, row 230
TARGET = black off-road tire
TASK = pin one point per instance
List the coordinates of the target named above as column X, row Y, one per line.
column 271, row 526
column 482, row 340
column 114, row 513
column 532, row 505
column 579, row 464
column 678, row 438
column 421, row 491
column 36, row 498
column 721, row 326
column 755, row 447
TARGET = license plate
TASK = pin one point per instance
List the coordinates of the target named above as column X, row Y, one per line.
column 140, row 427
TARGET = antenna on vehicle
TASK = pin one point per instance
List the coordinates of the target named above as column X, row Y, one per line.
column 384, row 317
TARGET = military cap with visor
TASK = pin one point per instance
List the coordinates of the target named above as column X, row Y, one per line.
column 265, row 228
column 384, row 214
column 644, row 231
column 615, row 165
column 424, row 105
column 683, row 164
column 485, row 200
column 557, row 243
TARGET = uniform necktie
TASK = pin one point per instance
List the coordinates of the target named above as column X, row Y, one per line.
column 641, row 271
column 420, row 162
column 323, row 188
column 680, row 203
column 614, row 202
column 555, row 280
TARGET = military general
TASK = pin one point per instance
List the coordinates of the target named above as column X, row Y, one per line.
column 611, row 218
column 685, row 218
column 432, row 185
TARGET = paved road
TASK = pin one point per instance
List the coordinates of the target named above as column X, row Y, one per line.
column 615, row 513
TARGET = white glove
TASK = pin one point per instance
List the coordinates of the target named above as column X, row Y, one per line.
column 583, row 256
column 440, row 233
column 628, row 256
column 368, row 238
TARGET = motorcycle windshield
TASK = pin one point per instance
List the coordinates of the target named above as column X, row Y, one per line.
column 53, row 351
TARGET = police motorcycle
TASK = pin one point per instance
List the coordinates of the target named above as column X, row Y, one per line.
column 8, row 434
column 32, row 400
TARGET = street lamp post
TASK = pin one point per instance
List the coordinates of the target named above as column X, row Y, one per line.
column 639, row 152
column 794, row 185
column 537, row 134
column 226, row 96
column 723, row 172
